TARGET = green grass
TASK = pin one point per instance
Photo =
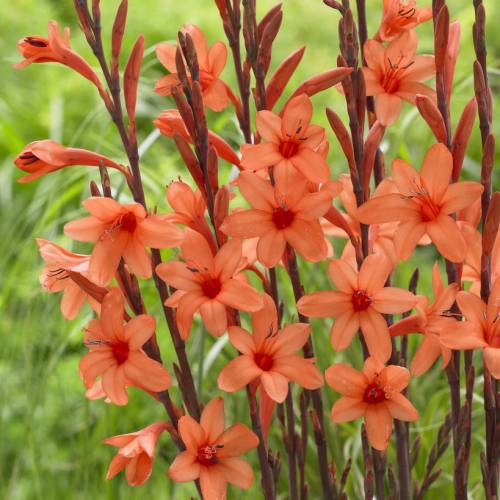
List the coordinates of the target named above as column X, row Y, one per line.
column 51, row 435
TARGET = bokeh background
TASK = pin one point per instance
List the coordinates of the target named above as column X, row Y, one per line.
column 50, row 438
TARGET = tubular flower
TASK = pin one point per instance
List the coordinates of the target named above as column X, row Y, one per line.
column 429, row 321
column 136, row 453
column 395, row 74
column 277, row 219
column 55, row 48
column 115, row 352
column 54, row 277
column 208, row 284
column 121, row 231
column 360, row 302
column 43, row 157
column 424, row 204
column 170, row 123
column 375, row 394
column 268, row 356
column 211, row 62
column 292, row 144
column 212, row 453
column 399, row 16
column 481, row 328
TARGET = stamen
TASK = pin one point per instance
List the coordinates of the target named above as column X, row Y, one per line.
column 408, row 14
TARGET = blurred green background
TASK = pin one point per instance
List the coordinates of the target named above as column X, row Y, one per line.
column 50, row 434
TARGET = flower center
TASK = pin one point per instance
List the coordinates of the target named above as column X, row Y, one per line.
column 120, row 352
column 36, row 42
column 429, row 210
column 211, row 287
column 282, row 217
column 207, row 455
column 289, row 148
column 393, row 75
column 374, row 394
column 128, row 222
column 360, row 300
column 263, row 361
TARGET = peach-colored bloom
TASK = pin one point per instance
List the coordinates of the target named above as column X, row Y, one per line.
column 481, row 328
column 212, row 453
column 208, row 284
column 55, row 48
column 121, row 231
column 424, row 204
column 278, row 218
column 399, row 16
column 189, row 209
column 136, row 453
column 43, row 157
column 170, row 123
column 360, row 301
column 54, row 277
column 115, row 352
column 268, row 356
column 210, row 61
column 429, row 321
column 292, row 144
column 395, row 74
column 375, row 394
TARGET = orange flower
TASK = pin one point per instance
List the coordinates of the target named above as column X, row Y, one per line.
column 292, row 144
column 55, row 48
column 399, row 16
column 268, row 356
column 208, row 284
column 170, row 123
column 43, row 157
column 424, row 204
column 278, row 219
column 121, row 231
column 136, row 453
column 55, row 279
column 210, row 61
column 375, row 394
column 360, row 302
column 115, row 352
column 189, row 208
column 429, row 321
column 395, row 74
column 481, row 328
column 212, row 453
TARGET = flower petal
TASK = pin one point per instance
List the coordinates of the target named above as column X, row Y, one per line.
column 192, row 434
column 343, row 276
column 184, row 468
column 270, row 247
column 376, row 334
column 236, row 440
column 214, row 316
column 448, row 239
column 388, row 108
column 374, row 273
column 391, row 300
column 388, row 208
column 237, row 472
column 212, row 419
column 324, row 304
column 346, row 409
column 237, row 294
column 346, row 380
column 436, row 171
column 378, row 422
column 401, row 408
column 343, row 330
column 276, row 385
column 460, row 195
column 239, row 372
column 299, row 370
